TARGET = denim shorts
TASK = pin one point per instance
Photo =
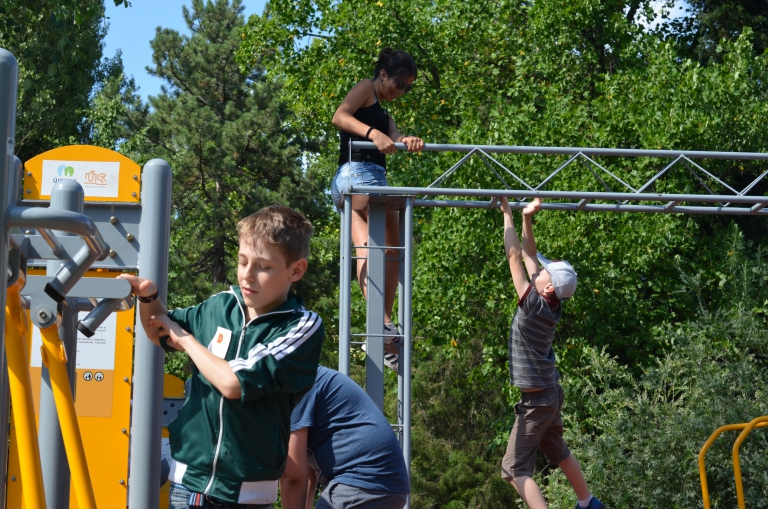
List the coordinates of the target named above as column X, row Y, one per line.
column 178, row 498
column 356, row 173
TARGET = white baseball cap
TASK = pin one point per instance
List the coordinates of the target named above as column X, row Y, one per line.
column 563, row 276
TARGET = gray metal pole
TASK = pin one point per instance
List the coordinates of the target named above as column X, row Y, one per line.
column 65, row 195
column 406, row 299
column 374, row 362
column 565, row 195
column 345, row 284
column 146, row 418
column 610, row 152
column 401, row 320
column 9, row 77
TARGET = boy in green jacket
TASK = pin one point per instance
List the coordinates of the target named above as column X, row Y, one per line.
column 255, row 351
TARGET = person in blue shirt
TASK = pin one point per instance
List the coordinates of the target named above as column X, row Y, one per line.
column 341, row 440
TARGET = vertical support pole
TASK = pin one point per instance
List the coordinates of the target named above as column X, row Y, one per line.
column 406, row 316
column 146, row 418
column 9, row 77
column 345, row 284
column 14, row 182
column 401, row 320
column 374, row 361
column 65, row 195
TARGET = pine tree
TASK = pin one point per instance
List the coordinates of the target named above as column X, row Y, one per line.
column 226, row 137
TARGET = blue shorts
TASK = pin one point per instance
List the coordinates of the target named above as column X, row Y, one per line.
column 356, row 173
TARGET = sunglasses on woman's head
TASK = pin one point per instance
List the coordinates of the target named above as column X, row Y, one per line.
column 401, row 85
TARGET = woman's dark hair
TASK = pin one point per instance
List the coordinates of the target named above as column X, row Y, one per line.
column 398, row 64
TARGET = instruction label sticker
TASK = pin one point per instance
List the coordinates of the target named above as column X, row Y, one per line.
column 99, row 179
column 95, row 353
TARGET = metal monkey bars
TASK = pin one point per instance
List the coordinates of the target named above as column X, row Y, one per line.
column 622, row 197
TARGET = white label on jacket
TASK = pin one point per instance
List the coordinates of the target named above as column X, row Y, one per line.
column 220, row 342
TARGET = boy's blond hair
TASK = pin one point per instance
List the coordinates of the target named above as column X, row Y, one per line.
column 281, row 227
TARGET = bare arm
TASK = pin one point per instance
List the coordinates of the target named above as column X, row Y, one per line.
column 145, row 288
column 529, row 242
column 215, row 369
column 413, row 143
column 513, row 250
column 311, row 488
column 360, row 96
column 294, row 483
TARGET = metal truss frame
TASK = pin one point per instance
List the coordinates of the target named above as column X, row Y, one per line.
column 622, row 197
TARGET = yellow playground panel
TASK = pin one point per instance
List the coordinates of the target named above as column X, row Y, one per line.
column 96, row 419
column 102, row 403
column 106, row 175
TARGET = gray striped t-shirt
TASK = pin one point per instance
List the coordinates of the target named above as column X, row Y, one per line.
column 531, row 357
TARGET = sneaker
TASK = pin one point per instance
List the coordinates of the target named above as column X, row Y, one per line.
column 593, row 504
column 391, row 340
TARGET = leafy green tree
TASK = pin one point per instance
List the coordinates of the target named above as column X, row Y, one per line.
column 58, row 45
column 554, row 74
column 226, row 136
column 707, row 23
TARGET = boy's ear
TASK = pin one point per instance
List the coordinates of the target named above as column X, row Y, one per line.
column 299, row 269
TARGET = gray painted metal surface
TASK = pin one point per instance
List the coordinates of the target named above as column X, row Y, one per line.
column 613, row 152
column 171, row 409
column 9, row 77
column 374, row 360
column 118, row 224
column 66, row 196
column 97, row 288
column 345, row 282
column 405, row 313
column 146, row 416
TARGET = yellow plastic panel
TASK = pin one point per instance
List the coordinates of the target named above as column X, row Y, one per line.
column 106, row 175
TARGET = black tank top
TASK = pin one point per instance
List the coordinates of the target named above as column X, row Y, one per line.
column 372, row 116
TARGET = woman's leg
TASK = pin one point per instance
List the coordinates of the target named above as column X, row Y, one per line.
column 392, row 264
column 360, row 238
column 392, row 276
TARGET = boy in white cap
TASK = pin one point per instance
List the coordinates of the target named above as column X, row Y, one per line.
column 538, row 423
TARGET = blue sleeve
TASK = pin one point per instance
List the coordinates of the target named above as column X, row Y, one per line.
column 303, row 415
column 287, row 363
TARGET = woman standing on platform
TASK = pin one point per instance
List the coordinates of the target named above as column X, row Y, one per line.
column 360, row 117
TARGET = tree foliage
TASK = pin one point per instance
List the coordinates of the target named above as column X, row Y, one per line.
column 58, row 45
column 226, row 137
column 554, row 73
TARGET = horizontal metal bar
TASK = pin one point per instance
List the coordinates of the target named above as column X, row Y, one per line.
column 557, row 195
column 615, row 152
column 756, row 208
column 51, row 240
column 98, row 288
column 574, row 207
column 380, row 247
column 377, row 335
column 64, row 220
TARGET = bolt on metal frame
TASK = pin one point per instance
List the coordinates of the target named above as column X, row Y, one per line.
column 379, row 199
